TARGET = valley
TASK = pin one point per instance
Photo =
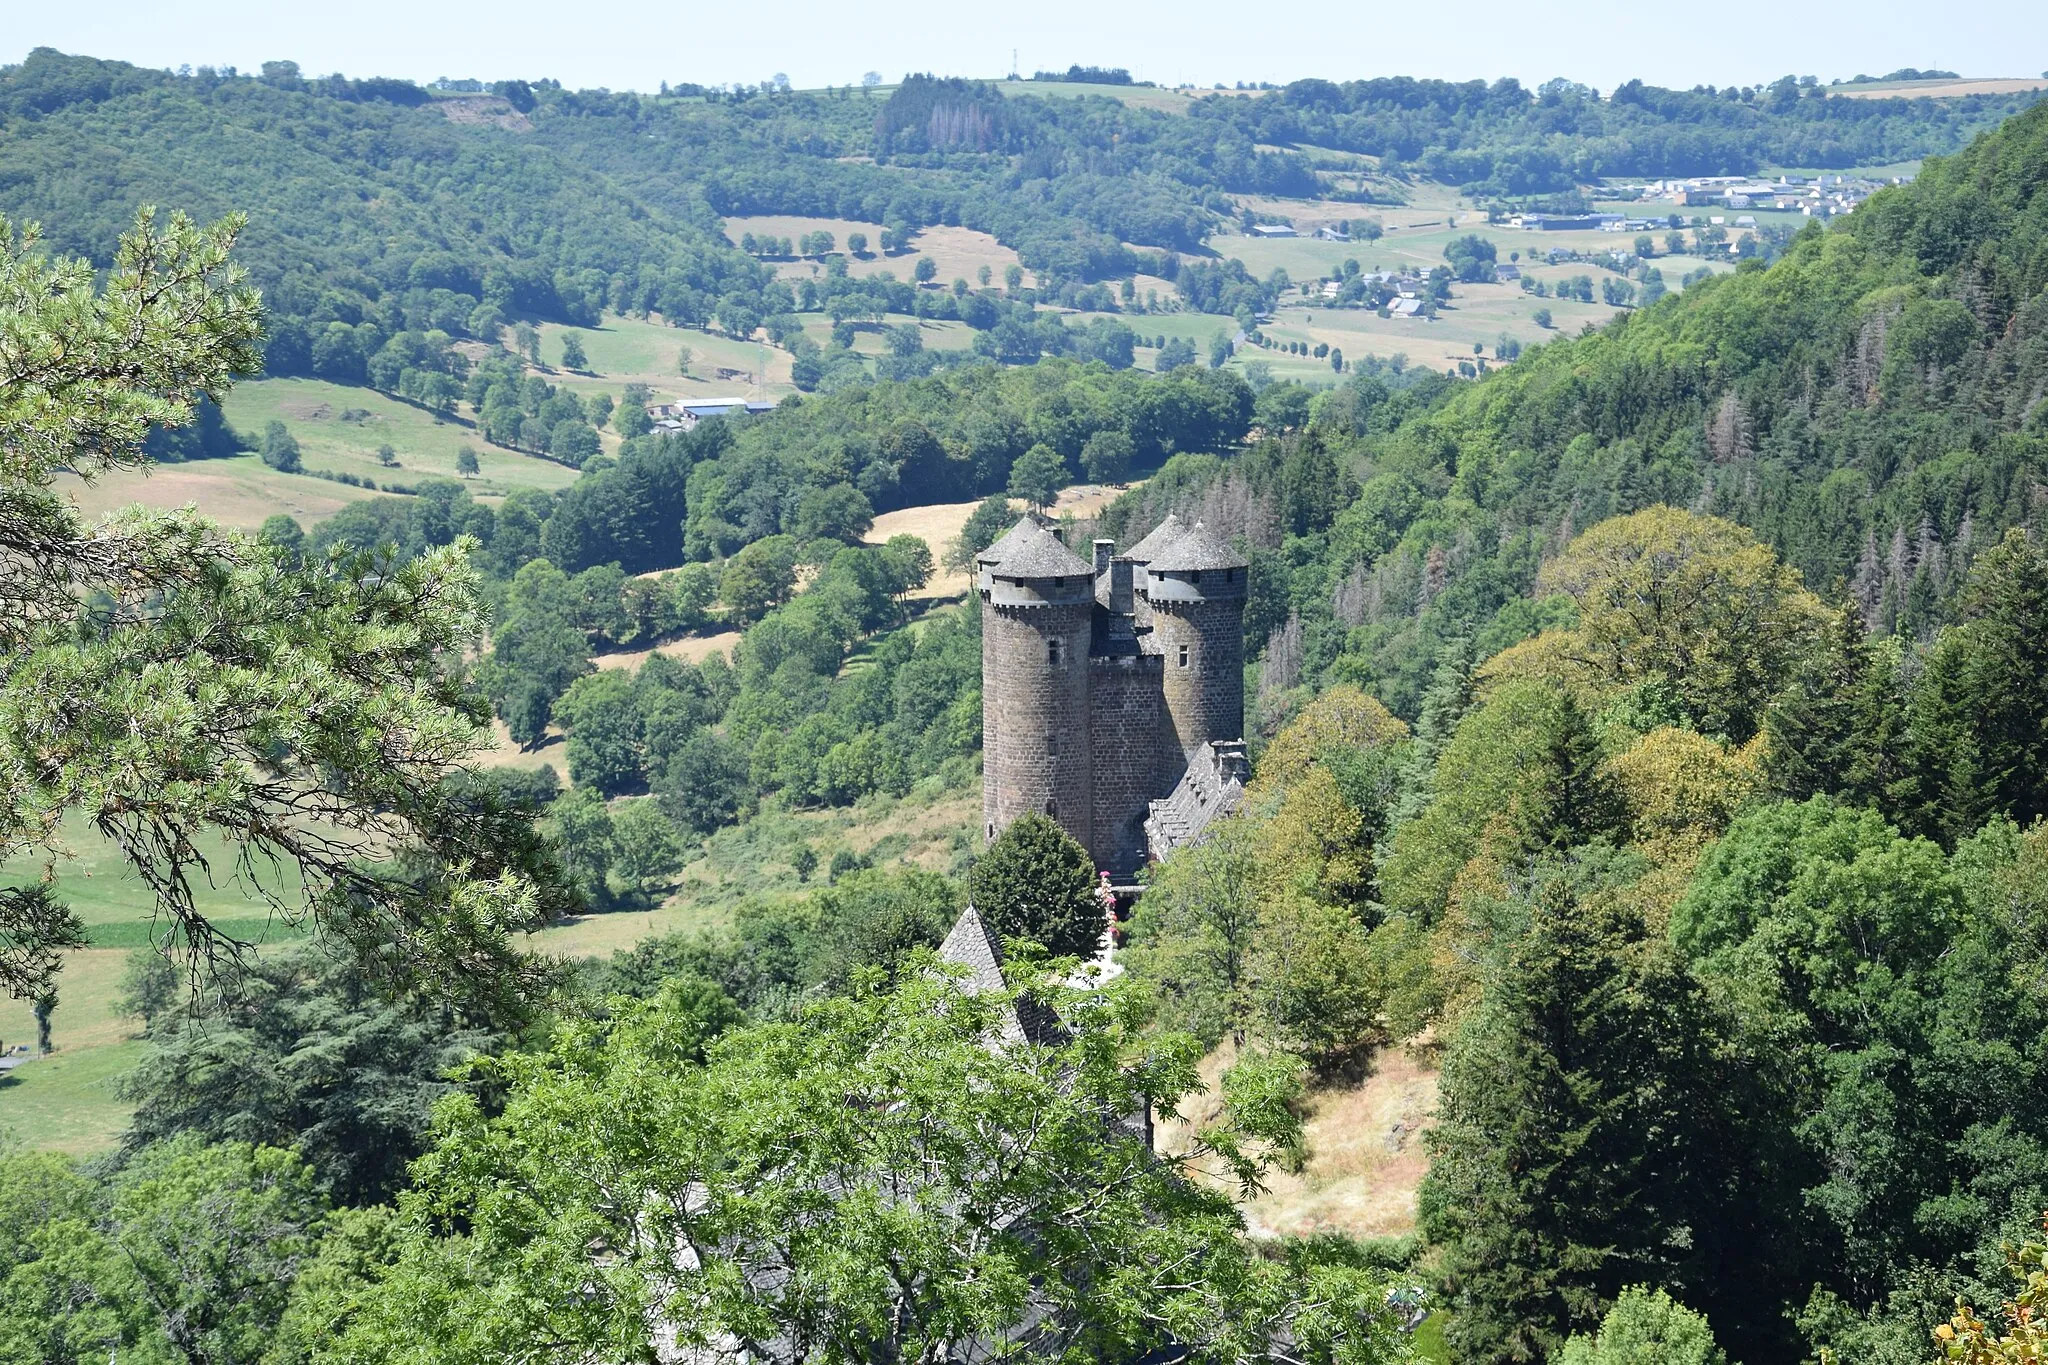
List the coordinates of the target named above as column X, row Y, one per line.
column 1345, row 721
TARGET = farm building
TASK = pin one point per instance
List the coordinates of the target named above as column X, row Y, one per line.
column 685, row 415
column 1274, row 230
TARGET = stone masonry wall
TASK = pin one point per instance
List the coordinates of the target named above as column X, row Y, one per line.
column 1123, row 737
column 991, row 710
column 1204, row 698
column 1041, row 760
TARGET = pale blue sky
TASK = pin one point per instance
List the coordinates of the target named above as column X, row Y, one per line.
column 634, row 44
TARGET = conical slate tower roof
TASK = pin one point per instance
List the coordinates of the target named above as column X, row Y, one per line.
column 1044, row 557
column 1163, row 535
column 1200, row 548
column 1012, row 540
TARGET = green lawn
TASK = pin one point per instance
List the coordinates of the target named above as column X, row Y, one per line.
column 66, row 1101
column 625, row 350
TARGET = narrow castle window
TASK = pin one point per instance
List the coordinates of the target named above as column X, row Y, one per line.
column 1183, row 656
column 1052, row 651
column 1051, row 810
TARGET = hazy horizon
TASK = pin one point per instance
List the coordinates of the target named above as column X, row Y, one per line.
column 619, row 44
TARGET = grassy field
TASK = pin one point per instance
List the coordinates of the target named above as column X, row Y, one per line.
column 340, row 428
column 1131, row 96
column 938, row 335
column 627, row 350
column 65, row 1102
column 1166, row 99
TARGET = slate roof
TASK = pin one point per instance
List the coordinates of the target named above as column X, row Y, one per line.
column 1212, row 788
column 1043, row 556
column 1200, row 548
column 1163, row 535
column 1011, row 540
column 970, row 945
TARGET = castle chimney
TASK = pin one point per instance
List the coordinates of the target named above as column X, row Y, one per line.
column 1104, row 549
column 1121, row 573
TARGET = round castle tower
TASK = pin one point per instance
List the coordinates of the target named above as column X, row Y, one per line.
column 1195, row 586
column 1037, row 613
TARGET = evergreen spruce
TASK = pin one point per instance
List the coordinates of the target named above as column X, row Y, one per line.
column 1582, row 1138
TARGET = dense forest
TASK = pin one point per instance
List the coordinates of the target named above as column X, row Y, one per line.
column 1654, row 732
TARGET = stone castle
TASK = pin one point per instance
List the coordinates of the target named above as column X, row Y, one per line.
column 1112, row 694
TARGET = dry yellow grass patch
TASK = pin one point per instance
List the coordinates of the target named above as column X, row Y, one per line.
column 1086, row 500
column 238, row 493
column 506, row 753
column 1937, row 89
column 1365, row 1157
column 958, row 252
column 937, row 525
column 691, row 649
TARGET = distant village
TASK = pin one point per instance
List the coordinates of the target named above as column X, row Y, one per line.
column 1821, row 196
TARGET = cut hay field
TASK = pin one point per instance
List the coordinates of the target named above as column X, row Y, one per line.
column 1940, row 89
column 958, row 252
column 240, row 492
column 691, row 649
column 937, row 524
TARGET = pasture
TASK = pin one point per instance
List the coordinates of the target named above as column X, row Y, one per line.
column 340, row 428
column 634, row 350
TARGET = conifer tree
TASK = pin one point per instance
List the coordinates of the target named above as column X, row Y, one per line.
column 1979, row 723
column 1581, row 1144
column 1445, row 703
column 1838, row 727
